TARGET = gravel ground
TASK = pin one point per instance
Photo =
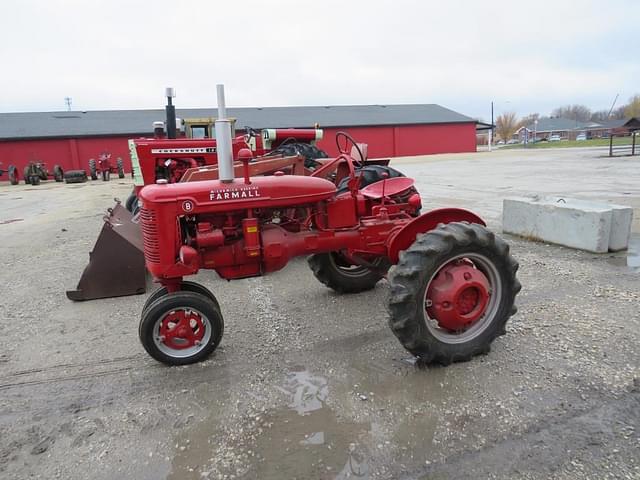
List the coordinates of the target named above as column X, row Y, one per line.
column 309, row 384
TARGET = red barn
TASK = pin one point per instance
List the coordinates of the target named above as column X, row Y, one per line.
column 71, row 138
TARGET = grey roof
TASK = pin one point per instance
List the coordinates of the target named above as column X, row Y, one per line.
column 557, row 124
column 129, row 122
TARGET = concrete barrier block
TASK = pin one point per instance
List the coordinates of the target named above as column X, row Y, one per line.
column 575, row 224
column 621, row 220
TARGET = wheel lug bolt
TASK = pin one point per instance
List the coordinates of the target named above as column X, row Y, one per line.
column 467, row 276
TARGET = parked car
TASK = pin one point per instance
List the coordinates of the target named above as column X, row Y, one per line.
column 500, row 142
column 581, row 137
column 554, row 138
column 513, row 141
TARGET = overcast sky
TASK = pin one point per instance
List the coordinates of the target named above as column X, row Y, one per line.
column 525, row 56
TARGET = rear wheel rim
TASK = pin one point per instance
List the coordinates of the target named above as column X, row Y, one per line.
column 488, row 268
column 184, row 346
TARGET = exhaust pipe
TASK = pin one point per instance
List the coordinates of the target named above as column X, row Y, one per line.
column 223, row 140
column 170, row 110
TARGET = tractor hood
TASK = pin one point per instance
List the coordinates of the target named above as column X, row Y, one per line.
column 263, row 192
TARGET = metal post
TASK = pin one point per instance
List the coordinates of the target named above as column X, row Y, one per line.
column 633, row 143
column 223, row 140
column 491, row 131
column 611, row 144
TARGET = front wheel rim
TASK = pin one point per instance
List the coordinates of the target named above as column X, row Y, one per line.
column 182, row 332
column 479, row 326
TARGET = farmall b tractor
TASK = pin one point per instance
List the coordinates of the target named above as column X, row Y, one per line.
column 453, row 282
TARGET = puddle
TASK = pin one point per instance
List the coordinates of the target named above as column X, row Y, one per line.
column 629, row 258
column 371, row 417
column 308, row 439
column 303, row 439
column 308, row 392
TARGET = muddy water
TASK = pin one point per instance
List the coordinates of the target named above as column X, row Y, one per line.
column 371, row 416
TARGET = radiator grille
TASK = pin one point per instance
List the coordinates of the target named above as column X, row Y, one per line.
column 150, row 236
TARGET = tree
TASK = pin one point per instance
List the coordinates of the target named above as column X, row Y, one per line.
column 600, row 115
column 506, row 125
column 529, row 119
column 632, row 109
column 579, row 113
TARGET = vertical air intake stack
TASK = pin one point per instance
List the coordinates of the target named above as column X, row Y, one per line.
column 223, row 140
column 171, row 113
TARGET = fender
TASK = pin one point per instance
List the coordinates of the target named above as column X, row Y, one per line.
column 404, row 237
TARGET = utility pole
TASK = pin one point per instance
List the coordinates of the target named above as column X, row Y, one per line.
column 491, row 130
column 613, row 105
column 67, row 101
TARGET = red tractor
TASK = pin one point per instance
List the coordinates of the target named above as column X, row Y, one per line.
column 104, row 167
column 170, row 159
column 453, row 283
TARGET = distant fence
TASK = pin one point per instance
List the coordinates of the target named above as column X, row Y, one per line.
column 624, row 150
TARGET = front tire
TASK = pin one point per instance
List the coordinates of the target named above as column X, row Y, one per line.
column 181, row 328
column 334, row 271
column 452, row 293
column 58, row 173
column 185, row 286
column 93, row 171
column 120, row 165
column 13, row 175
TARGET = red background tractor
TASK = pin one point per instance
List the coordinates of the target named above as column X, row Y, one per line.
column 104, row 167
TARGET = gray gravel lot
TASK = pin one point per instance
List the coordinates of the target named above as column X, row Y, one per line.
column 309, row 384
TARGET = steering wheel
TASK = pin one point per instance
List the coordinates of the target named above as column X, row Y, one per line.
column 348, row 139
column 252, row 132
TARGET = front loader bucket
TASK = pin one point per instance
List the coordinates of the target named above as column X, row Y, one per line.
column 116, row 264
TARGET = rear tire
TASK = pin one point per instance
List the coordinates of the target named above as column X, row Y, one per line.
column 181, row 328
column 13, row 175
column 75, row 176
column 92, row 169
column 409, row 320
column 34, row 180
column 120, row 165
column 58, row 173
column 335, row 272
column 25, row 175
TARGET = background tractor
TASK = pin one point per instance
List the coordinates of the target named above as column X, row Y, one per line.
column 453, row 283
column 171, row 157
column 35, row 171
column 104, row 167
column 12, row 173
